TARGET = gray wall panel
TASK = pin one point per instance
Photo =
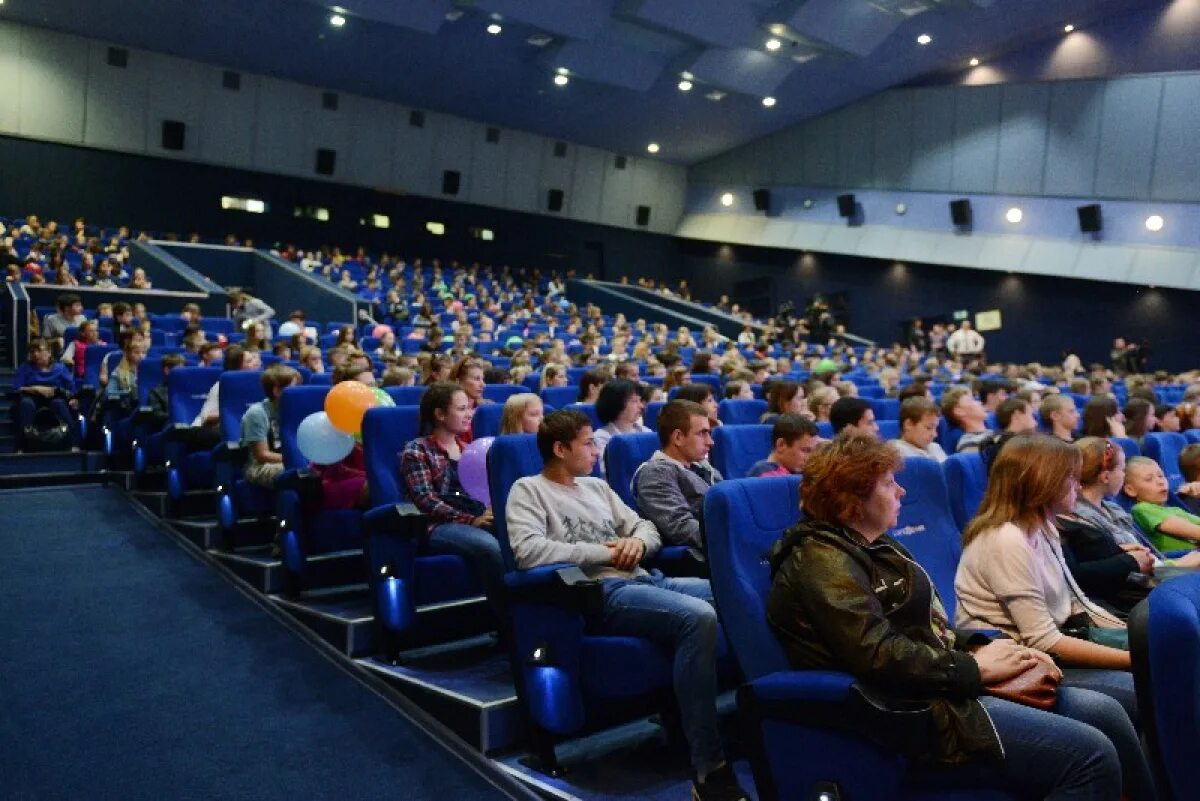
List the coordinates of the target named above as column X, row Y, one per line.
column 976, row 139
column 1176, row 167
column 1074, row 138
column 933, row 140
column 1128, row 132
column 1022, row 145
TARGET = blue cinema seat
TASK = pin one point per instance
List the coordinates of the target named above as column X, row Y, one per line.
column 587, row 408
column 736, row 448
column 237, row 498
column 558, row 397
column 650, row 415
column 810, row 733
column 885, row 408
column 966, row 481
column 623, row 455
column 486, row 422
column 926, row 526
column 402, row 575
column 1129, row 445
column 406, row 396
column 499, row 393
column 187, row 388
column 741, row 412
column 568, row 679
column 1164, row 642
column 888, row 429
column 1165, row 448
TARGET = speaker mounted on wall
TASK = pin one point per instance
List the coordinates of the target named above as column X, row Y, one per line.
column 960, row 212
column 450, row 181
column 847, row 205
column 643, row 216
column 1090, row 221
column 762, row 200
column 554, row 200
column 174, row 134
column 326, row 161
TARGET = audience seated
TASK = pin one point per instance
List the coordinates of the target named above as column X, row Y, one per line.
column 619, row 407
column 794, row 439
column 846, row 596
column 670, row 487
column 42, row 384
column 522, row 414
column 260, row 428
column 919, row 429
column 961, row 409
column 1060, row 416
column 1170, row 528
column 563, row 515
column 854, row 415
column 1103, row 418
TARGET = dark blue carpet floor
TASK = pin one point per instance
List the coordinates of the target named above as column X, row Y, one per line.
column 128, row 670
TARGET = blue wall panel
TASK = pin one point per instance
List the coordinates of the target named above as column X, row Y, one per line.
column 1176, row 166
column 820, row 151
column 893, row 138
column 1074, row 138
column 976, row 139
column 933, row 140
column 1022, row 146
column 1127, row 137
column 855, row 149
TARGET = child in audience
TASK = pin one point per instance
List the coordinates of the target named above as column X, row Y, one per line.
column 820, row 403
column 784, row 397
column 795, row 438
column 1103, row 418
column 961, row 409
column 260, row 427
column 344, row 483
column 398, row 377
column 703, row 395
column 1139, row 419
column 522, row 414
column 590, row 385
column 40, row 382
column 619, row 406
column 70, row 313
column 1168, row 527
column 1061, row 416
column 919, row 429
column 1015, row 416
column 74, row 357
column 855, row 415
column 468, row 374
column 739, row 390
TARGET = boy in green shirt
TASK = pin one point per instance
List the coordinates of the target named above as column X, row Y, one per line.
column 1168, row 527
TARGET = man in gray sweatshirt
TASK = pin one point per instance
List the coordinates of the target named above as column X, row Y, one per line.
column 670, row 487
column 564, row 515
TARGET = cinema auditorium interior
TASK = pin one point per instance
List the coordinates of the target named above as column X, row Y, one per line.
column 598, row 400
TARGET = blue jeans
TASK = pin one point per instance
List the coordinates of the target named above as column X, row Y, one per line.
column 27, row 408
column 1118, row 685
column 481, row 551
column 677, row 614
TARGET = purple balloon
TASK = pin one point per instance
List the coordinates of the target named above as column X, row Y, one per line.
column 472, row 470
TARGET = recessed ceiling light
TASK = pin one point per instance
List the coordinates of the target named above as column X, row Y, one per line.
column 685, row 85
column 924, row 39
column 561, row 80
column 1014, row 215
column 494, row 29
column 768, row 101
column 687, row 76
column 774, row 44
column 454, row 15
column 727, row 199
column 539, row 40
column 974, row 62
column 715, row 94
column 1154, row 223
column 562, row 71
column 1068, row 28
column 652, row 147
column 337, row 20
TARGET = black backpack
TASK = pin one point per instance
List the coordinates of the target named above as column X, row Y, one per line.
column 47, row 432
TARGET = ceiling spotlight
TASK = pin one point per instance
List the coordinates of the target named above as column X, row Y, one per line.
column 494, row 29
column 1014, row 215
column 685, row 85
column 687, row 76
column 1154, row 223
column 974, row 62
column 727, row 199
column 924, row 39
column 652, row 147
column 715, row 94
column 1068, row 28
column 768, row 101
column 774, row 44
column 337, row 20
column 562, row 71
column 561, row 80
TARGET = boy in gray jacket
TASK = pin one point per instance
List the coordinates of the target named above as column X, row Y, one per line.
column 670, row 487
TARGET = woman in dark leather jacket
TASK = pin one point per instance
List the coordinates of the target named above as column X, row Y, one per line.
column 846, row 596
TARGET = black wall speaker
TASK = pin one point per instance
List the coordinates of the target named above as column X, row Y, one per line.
column 1090, row 221
column 554, row 200
column 643, row 215
column 960, row 211
column 762, row 200
column 173, row 134
column 326, row 161
column 450, row 179
column 846, row 205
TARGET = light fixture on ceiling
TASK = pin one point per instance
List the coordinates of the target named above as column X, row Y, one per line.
column 774, row 44
column 562, row 71
column 1068, row 28
column 768, row 101
column 974, row 62
column 685, row 85
column 561, row 79
column 494, row 29
column 539, row 40
column 337, row 20
column 924, row 39
column 652, row 147
column 454, row 15
column 1014, row 215
column 687, row 76
column 715, row 94
column 727, row 199
column 1154, row 223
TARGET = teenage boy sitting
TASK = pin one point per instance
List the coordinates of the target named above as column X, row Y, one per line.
column 855, row 415
column 919, row 429
column 795, row 438
column 564, row 515
column 671, row 486
column 961, row 409
column 1168, row 527
column 1060, row 414
column 260, row 427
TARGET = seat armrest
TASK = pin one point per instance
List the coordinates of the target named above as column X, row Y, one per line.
column 231, row 453
column 302, row 481
column 561, row 585
column 837, row 701
column 396, row 518
column 680, row 561
column 176, row 432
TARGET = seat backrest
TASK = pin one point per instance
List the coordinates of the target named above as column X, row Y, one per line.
column 320, row 379
column 187, row 388
column 406, row 396
column 741, row 412
column 486, row 422
column 736, row 448
column 589, row 409
column 1129, row 445
column 240, row 389
column 623, row 455
column 511, row 457
column 1165, row 448
column 295, row 404
column 711, row 379
column 149, row 376
column 966, row 481
column 92, row 358
column 650, row 415
column 559, row 397
column 499, row 393
column 885, row 408
column 888, row 429
column 926, row 527
column 1192, row 435
column 744, row 519
column 386, row 430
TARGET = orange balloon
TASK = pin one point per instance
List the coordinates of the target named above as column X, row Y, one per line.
column 346, row 404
